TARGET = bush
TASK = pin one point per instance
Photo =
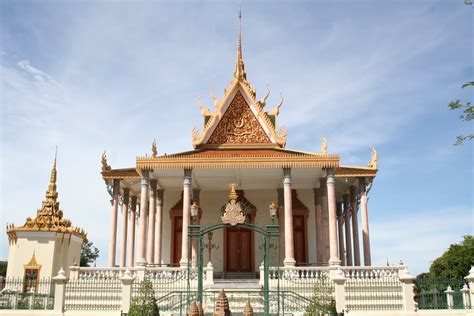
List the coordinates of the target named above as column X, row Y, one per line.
column 145, row 303
column 322, row 302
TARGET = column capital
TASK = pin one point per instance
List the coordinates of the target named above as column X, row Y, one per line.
column 159, row 196
column 145, row 178
column 323, row 189
column 339, row 209
column 317, row 195
column 330, row 179
column 362, row 185
column 286, row 176
column 116, row 186
column 353, row 193
column 187, row 177
column 346, row 199
column 134, row 202
column 126, row 195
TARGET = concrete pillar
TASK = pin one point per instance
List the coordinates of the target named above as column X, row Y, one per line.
column 158, row 226
column 131, row 240
column 339, row 290
column 324, row 219
column 407, row 291
column 355, row 226
column 319, row 225
column 60, row 291
column 365, row 221
column 289, row 246
column 333, row 251
column 470, row 279
column 141, row 245
column 186, row 216
column 123, row 254
column 340, row 230
column 127, row 281
column 347, row 226
column 150, row 246
column 113, row 223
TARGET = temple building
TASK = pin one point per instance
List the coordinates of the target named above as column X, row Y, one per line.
column 322, row 204
column 44, row 244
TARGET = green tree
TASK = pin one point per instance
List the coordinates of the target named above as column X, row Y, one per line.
column 322, row 302
column 3, row 268
column 455, row 262
column 145, row 303
column 466, row 116
column 88, row 253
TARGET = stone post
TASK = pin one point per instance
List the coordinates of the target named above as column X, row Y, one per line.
column 209, row 273
column 150, row 246
column 186, row 216
column 141, row 245
column 407, row 291
column 158, row 226
column 113, row 222
column 127, row 281
column 339, row 289
column 449, row 297
column 131, row 240
column 331, row 184
column 123, row 254
column 355, row 226
column 74, row 272
column 262, row 276
column 340, row 231
column 347, row 226
column 466, row 300
column 470, row 279
column 60, row 291
column 319, row 225
column 289, row 247
column 365, row 221
column 324, row 219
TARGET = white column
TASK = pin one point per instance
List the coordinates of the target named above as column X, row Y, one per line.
column 355, row 226
column 113, row 223
column 150, row 246
column 141, row 244
column 319, row 225
column 158, row 226
column 196, row 193
column 123, row 255
column 186, row 216
column 331, row 184
column 347, row 226
column 324, row 219
column 365, row 221
column 289, row 246
column 131, row 240
column 340, row 230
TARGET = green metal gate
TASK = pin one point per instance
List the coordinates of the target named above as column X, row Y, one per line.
column 270, row 235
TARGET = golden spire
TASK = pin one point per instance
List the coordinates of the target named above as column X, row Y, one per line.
column 324, row 146
column 154, row 150
column 373, row 159
column 239, row 73
column 233, row 193
column 52, row 194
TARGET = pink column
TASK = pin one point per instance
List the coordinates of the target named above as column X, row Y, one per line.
column 150, row 246
column 141, row 253
column 113, row 223
column 324, row 219
column 333, row 251
column 186, row 216
column 131, row 241
column 347, row 226
column 123, row 255
column 365, row 221
column 281, row 222
column 289, row 246
column 355, row 226
column 319, row 225
column 340, row 230
column 158, row 226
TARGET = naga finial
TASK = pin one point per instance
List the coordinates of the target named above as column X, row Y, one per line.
column 276, row 110
column 214, row 98
column 261, row 103
column 204, row 110
column 154, row 150
column 105, row 166
column 324, row 146
column 373, row 159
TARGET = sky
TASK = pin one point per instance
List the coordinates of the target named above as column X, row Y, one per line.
column 88, row 76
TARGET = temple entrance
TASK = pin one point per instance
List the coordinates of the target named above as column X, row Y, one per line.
column 238, row 250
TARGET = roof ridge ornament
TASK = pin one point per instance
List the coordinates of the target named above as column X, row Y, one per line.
column 324, row 147
column 373, row 159
column 105, row 165
column 154, row 150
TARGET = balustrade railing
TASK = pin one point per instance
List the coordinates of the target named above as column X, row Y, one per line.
column 93, row 294
column 373, row 288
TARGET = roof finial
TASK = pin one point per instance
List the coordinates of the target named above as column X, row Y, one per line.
column 52, row 193
column 239, row 67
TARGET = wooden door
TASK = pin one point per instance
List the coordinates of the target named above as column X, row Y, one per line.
column 177, row 238
column 299, row 238
column 238, row 250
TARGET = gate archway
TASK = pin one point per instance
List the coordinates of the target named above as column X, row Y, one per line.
column 270, row 235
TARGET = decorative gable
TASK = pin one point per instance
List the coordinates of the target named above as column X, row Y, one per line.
column 238, row 126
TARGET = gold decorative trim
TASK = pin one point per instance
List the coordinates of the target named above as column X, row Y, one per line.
column 354, row 171
column 121, row 174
